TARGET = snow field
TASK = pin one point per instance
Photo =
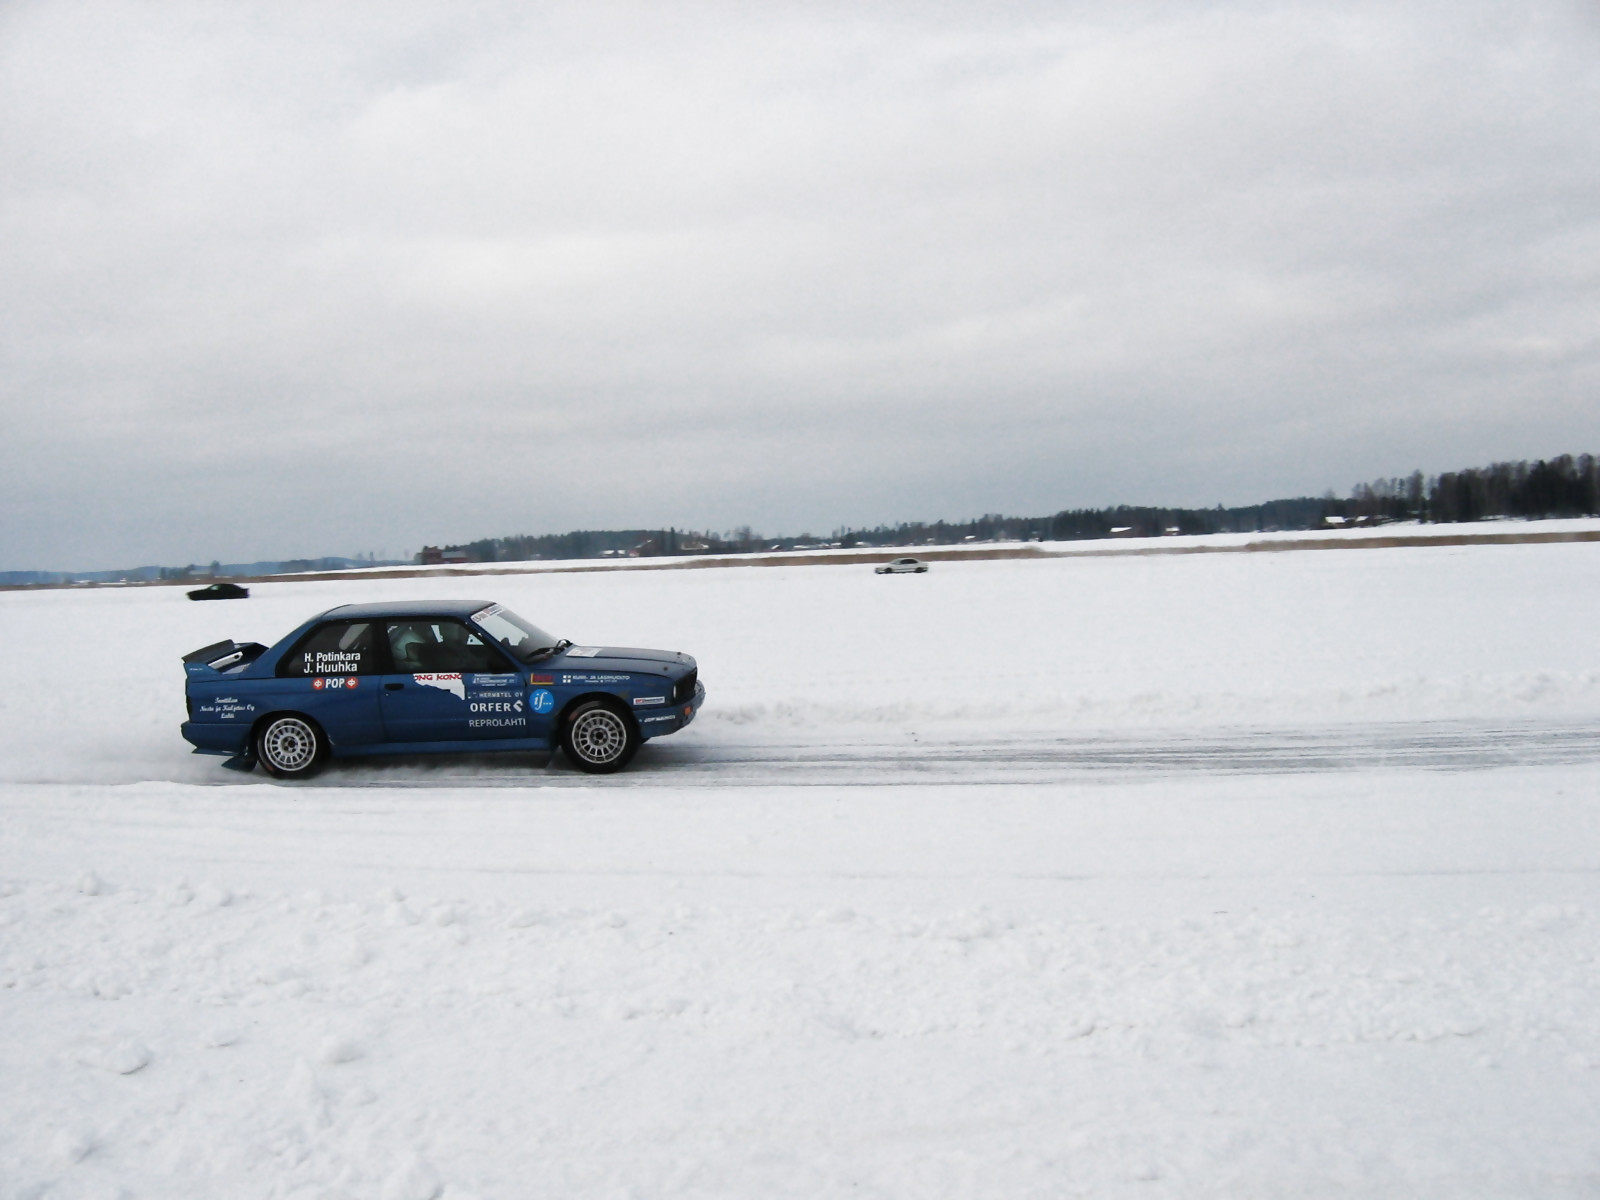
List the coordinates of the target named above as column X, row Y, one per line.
column 403, row 983
column 969, row 1033
column 834, row 655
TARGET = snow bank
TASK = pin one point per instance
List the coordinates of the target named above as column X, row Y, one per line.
column 1503, row 527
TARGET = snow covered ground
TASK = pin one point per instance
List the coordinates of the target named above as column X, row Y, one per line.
column 1225, row 875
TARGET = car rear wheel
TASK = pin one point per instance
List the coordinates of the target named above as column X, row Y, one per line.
column 599, row 737
column 290, row 747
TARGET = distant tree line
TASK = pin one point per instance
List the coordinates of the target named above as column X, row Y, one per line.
column 1559, row 487
column 1083, row 523
column 1128, row 521
column 194, row 572
column 1565, row 486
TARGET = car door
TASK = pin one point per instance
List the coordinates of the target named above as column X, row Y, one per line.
column 332, row 676
column 448, row 683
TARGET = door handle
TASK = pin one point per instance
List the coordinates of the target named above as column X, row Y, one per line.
column 393, row 687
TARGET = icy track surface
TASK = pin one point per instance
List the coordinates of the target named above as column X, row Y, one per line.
column 1234, row 876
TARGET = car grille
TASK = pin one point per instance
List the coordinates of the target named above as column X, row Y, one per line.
column 683, row 692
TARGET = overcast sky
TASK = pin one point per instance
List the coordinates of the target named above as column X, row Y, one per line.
column 288, row 280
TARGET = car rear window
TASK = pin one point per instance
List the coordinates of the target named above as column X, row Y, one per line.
column 338, row 648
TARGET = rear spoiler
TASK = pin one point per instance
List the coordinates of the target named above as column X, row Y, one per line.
column 219, row 656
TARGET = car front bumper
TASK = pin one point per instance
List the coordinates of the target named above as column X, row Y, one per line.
column 657, row 722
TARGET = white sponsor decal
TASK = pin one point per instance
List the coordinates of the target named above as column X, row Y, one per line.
column 327, row 662
column 487, row 612
column 500, row 706
column 652, row 720
column 227, row 708
column 594, row 678
column 585, row 652
column 496, row 680
column 641, row 701
column 450, row 683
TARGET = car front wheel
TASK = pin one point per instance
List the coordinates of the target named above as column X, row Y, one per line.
column 598, row 737
column 290, row 747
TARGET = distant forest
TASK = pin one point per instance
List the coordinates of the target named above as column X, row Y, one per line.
column 1565, row 486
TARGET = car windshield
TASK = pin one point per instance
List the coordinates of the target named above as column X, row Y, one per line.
column 522, row 639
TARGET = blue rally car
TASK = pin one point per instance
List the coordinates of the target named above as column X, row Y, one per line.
column 434, row 676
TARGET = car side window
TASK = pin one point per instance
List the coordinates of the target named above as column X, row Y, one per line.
column 428, row 644
column 338, row 648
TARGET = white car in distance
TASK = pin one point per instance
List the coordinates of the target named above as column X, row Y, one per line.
column 902, row 566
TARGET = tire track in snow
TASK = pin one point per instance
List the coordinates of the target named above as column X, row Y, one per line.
column 1059, row 758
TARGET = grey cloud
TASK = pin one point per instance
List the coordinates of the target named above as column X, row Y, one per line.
column 280, row 281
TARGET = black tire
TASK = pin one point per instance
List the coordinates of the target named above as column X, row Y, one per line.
column 599, row 737
column 290, row 746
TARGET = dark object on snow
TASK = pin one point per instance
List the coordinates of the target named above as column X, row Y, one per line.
column 221, row 591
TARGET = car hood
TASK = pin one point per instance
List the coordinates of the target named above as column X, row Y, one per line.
column 616, row 658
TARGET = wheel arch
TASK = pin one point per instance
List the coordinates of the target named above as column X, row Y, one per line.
column 260, row 723
column 616, row 701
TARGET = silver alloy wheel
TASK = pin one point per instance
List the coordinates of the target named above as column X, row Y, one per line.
column 599, row 735
column 288, row 746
